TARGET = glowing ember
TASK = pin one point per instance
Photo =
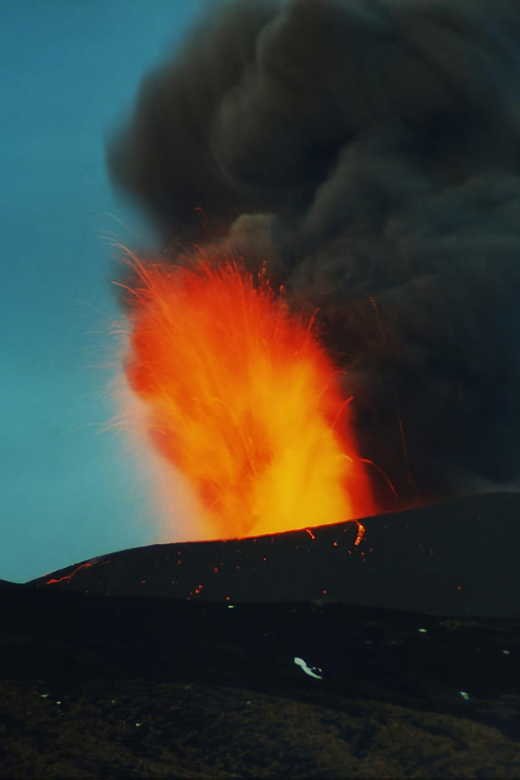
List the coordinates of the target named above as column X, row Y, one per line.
column 243, row 400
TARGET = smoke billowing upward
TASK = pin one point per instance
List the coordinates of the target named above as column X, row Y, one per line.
column 369, row 151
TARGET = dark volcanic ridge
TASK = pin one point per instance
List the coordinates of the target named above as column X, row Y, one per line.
column 457, row 559
column 317, row 652
column 289, row 617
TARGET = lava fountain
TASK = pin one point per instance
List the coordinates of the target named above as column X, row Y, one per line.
column 242, row 399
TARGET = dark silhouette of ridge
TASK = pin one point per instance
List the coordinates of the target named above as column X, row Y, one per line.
column 457, row 558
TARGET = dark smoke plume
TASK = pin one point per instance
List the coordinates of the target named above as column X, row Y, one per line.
column 369, row 150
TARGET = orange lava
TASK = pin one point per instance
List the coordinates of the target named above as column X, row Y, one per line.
column 68, row 577
column 243, row 400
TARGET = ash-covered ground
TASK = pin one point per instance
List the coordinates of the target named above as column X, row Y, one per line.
column 102, row 679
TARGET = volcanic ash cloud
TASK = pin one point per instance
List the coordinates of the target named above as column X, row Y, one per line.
column 369, row 153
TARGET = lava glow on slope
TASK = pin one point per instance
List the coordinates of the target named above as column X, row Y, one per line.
column 241, row 398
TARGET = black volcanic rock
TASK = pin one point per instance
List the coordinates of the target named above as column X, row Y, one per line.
column 6, row 585
column 119, row 667
column 458, row 558
column 396, row 656
column 76, row 666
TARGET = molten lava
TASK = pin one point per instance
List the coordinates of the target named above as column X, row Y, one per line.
column 243, row 400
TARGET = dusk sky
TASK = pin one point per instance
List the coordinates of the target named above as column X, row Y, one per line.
column 69, row 69
column 379, row 201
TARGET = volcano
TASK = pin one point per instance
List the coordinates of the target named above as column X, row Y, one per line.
column 396, row 637
column 456, row 558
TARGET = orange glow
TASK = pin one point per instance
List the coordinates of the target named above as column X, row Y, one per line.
column 360, row 534
column 68, row 577
column 242, row 399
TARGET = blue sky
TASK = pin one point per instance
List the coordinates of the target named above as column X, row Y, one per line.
column 68, row 70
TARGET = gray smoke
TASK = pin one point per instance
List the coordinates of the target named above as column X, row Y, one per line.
column 369, row 150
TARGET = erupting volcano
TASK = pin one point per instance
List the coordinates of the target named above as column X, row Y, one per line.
column 242, row 399
column 369, row 154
